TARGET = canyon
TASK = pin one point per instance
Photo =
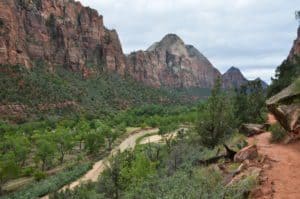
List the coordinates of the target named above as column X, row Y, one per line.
column 64, row 33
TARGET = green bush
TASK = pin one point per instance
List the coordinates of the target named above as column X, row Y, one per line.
column 278, row 132
column 28, row 171
column 39, row 175
column 51, row 184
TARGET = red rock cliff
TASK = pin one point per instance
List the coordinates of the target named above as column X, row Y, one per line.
column 295, row 51
column 171, row 63
column 59, row 32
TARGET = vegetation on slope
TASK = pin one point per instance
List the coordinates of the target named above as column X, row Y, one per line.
column 285, row 75
column 100, row 95
column 176, row 169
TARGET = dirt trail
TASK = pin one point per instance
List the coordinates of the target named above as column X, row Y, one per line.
column 282, row 179
column 98, row 167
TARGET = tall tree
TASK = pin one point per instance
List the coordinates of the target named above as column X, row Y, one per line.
column 217, row 119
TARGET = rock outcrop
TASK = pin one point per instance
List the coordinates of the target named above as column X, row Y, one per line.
column 233, row 78
column 172, row 63
column 247, row 153
column 295, row 51
column 285, row 106
column 60, row 33
column 253, row 129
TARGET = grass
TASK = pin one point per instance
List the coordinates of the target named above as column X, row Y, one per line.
column 278, row 133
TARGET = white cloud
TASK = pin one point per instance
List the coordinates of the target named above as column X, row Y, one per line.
column 245, row 33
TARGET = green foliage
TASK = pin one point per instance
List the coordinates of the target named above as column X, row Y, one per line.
column 93, row 140
column 278, row 132
column 39, row 175
column 45, row 152
column 51, row 184
column 98, row 96
column 217, row 120
column 250, row 103
column 8, row 168
column 286, row 74
column 51, row 23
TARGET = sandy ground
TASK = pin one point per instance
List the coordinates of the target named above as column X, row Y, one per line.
column 98, row 167
column 156, row 138
column 283, row 177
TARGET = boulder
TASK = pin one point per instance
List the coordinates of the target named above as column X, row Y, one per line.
column 253, row 129
column 285, row 106
column 247, row 153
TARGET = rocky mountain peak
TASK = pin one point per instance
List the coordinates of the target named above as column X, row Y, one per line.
column 172, row 63
column 233, row 78
column 168, row 42
column 295, row 51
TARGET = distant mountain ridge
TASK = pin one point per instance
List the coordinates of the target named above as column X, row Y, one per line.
column 233, row 78
column 63, row 33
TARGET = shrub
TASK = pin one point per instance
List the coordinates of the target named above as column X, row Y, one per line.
column 278, row 132
column 39, row 175
column 51, row 184
column 29, row 171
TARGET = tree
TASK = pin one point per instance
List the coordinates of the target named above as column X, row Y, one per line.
column 63, row 140
column 286, row 73
column 81, row 130
column 94, row 140
column 45, row 151
column 217, row 118
column 110, row 180
column 18, row 145
column 249, row 102
column 8, row 168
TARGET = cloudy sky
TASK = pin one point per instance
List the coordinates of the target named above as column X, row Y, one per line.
column 254, row 35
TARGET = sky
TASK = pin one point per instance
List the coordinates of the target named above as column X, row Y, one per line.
column 253, row 35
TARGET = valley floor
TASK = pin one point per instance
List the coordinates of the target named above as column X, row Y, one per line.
column 98, row 167
column 281, row 180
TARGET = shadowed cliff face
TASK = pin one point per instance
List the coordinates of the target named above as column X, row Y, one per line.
column 171, row 63
column 233, row 78
column 295, row 51
column 59, row 32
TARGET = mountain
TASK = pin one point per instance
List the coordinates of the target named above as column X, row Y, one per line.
column 58, row 33
column 233, row 78
column 295, row 51
column 172, row 63
column 288, row 71
column 263, row 83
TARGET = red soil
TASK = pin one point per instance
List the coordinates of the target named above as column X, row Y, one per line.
column 281, row 179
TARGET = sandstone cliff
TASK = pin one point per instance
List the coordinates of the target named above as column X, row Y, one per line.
column 295, row 51
column 171, row 63
column 58, row 32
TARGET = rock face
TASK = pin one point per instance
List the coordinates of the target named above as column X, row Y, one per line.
column 59, row 32
column 295, row 51
column 247, row 153
column 171, row 63
column 285, row 106
column 233, row 78
column 253, row 129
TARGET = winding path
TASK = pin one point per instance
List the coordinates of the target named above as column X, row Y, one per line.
column 98, row 167
column 282, row 178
